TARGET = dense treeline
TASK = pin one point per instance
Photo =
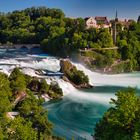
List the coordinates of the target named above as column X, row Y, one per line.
column 122, row 120
column 62, row 36
column 17, row 96
column 28, row 26
column 126, row 58
column 128, row 41
column 52, row 29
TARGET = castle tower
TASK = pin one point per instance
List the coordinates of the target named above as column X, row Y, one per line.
column 138, row 21
column 116, row 17
column 114, row 31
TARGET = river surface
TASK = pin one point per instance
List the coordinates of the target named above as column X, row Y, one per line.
column 77, row 113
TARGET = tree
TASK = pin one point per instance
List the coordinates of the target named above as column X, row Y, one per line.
column 32, row 122
column 55, row 91
column 5, row 95
column 3, row 134
column 22, row 129
column 105, row 39
column 31, row 109
column 122, row 120
column 17, row 80
column 44, row 87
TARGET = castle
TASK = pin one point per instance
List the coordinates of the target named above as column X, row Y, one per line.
column 103, row 22
column 97, row 22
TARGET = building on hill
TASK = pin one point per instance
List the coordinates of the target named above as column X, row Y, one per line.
column 122, row 23
column 90, row 22
column 118, row 25
column 138, row 21
column 102, row 22
column 97, row 22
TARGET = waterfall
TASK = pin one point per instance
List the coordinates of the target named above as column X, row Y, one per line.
column 79, row 110
column 123, row 80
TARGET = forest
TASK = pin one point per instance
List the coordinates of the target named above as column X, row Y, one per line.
column 63, row 36
column 20, row 94
column 122, row 120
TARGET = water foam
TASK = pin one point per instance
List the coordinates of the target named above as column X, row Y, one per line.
column 53, row 64
column 123, row 80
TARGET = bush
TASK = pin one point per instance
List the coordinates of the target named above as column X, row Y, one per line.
column 122, row 120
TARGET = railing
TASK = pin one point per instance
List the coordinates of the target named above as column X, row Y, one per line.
column 98, row 49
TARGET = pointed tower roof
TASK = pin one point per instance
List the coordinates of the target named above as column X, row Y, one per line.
column 138, row 21
column 116, row 16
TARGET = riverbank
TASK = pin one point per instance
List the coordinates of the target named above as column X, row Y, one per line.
column 19, row 46
column 91, row 59
column 21, row 107
column 117, row 66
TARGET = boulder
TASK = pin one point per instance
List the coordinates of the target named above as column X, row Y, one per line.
column 76, row 77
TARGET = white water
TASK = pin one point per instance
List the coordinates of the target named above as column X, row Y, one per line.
column 88, row 105
column 125, row 80
column 29, row 65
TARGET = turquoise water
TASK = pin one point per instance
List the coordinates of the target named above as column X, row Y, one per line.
column 75, row 119
column 79, row 110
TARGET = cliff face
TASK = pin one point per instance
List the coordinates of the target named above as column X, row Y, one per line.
column 76, row 77
column 66, row 66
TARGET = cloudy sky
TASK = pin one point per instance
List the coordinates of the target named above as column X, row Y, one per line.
column 80, row 8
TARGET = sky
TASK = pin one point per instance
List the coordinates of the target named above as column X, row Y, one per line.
column 129, row 9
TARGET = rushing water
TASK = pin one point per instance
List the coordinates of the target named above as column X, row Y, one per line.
column 79, row 110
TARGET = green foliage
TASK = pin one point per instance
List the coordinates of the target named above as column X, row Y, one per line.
column 122, row 120
column 63, row 36
column 22, row 129
column 55, row 91
column 136, row 136
column 78, row 77
column 34, row 85
column 17, row 80
column 129, row 43
column 44, row 87
column 32, row 122
column 125, row 66
column 32, row 109
column 5, row 94
column 105, row 39
column 29, row 106
column 75, row 76
column 50, row 28
column 3, row 134
column 41, row 87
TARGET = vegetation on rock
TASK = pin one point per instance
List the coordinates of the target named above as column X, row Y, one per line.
column 41, row 87
column 76, row 77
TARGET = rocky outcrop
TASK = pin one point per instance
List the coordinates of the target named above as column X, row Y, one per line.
column 41, row 88
column 20, row 95
column 76, row 77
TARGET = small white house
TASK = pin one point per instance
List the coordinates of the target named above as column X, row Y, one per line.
column 91, row 22
column 97, row 22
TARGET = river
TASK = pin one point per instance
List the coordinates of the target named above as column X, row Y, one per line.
column 76, row 114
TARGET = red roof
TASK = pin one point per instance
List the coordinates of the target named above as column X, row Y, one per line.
column 100, row 18
column 87, row 18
